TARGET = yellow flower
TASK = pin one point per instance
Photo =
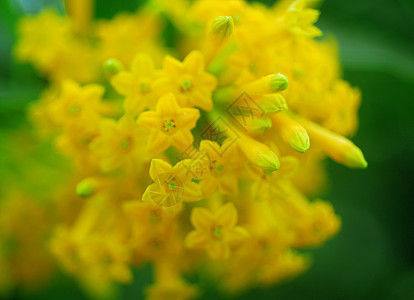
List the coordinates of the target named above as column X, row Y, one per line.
column 119, row 144
column 169, row 125
column 128, row 34
column 43, row 38
column 136, row 85
column 344, row 103
column 171, row 186
column 77, row 104
column 215, row 231
column 301, row 19
column 223, row 168
column 169, row 284
column 75, row 142
column 191, row 85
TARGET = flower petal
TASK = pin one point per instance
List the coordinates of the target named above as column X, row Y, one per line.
column 229, row 185
column 158, row 141
column 123, row 83
column 226, row 216
column 218, row 250
column 188, row 118
column 182, row 139
column 202, row 219
column 167, row 106
column 191, row 192
column 236, row 234
column 196, row 239
column 153, row 194
column 142, row 65
column 172, row 66
column 194, row 62
column 159, row 167
column 149, row 120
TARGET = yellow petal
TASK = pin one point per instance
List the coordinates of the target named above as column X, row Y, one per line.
column 208, row 185
column 167, row 106
column 226, row 216
column 237, row 234
column 134, row 105
column 208, row 81
column 218, row 250
column 158, row 166
column 202, row 219
column 142, row 65
column 150, row 120
column 111, row 163
column 153, row 194
column 163, row 86
column 172, row 66
column 229, row 185
column 123, row 83
column 158, row 141
column 194, row 62
column 191, row 192
column 182, row 139
column 189, row 118
column 196, row 239
column 93, row 91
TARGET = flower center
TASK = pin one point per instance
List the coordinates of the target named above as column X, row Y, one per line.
column 172, row 185
column 125, row 143
column 75, row 109
column 218, row 232
column 169, row 125
column 219, row 169
column 186, row 85
column 144, row 86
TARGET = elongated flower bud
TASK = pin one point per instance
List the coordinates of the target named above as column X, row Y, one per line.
column 335, row 146
column 292, row 132
column 259, row 154
column 273, row 103
column 266, row 85
column 260, row 125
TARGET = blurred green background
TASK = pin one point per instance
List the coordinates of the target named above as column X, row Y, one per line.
column 373, row 255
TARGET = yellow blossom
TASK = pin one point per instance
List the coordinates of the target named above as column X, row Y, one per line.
column 222, row 166
column 118, row 143
column 171, row 186
column 77, row 104
column 215, row 231
column 136, row 85
column 169, row 125
column 191, row 85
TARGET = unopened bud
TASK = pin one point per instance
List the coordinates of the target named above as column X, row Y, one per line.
column 222, row 27
column 112, row 66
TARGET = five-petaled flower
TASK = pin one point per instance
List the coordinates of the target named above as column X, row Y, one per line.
column 188, row 81
column 169, row 125
column 136, row 85
column 215, row 231
column 171, row 186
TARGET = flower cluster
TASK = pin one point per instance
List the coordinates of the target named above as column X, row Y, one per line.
column 200, row 159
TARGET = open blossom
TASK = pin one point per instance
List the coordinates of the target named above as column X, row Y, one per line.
column 215, row 231
column 188, row 80
column 136, row 85
column 171, row 185
column 169, row 125
column 118, row 143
